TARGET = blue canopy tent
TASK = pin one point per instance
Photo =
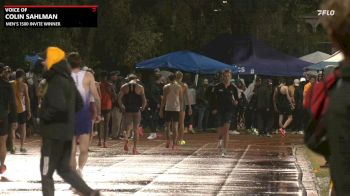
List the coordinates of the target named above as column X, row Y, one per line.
column 253, row 56
column 186, row 61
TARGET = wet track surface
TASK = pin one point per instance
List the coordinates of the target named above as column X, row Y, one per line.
column 254, row 166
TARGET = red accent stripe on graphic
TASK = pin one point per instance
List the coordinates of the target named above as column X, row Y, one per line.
column 50, row 6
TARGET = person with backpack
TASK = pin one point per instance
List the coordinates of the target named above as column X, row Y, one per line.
column 337, row 115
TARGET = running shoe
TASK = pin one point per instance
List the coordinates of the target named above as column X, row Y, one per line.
column 13, row 150
column 268, row 135
column 282, row 132
column 23, row 150
column 301, row 132
column 152, row 136
column 126, row 147
column 223, row 152
column 135, row 152
column 234, row 132
column 167, row 145
column 2, row 169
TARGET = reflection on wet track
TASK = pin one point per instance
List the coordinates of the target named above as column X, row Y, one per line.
column 254, row 166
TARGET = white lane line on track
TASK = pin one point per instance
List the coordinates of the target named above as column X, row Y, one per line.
column 166, row 170
column 234, row 168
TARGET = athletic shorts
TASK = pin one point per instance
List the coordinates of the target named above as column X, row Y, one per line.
column 83, row 121
column 22, row 118
column 285, row 111
column 4, row 126
column 132, row 118
column 222, row 118
column 171, row 116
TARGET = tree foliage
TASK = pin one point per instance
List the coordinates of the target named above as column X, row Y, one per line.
column 133, row 30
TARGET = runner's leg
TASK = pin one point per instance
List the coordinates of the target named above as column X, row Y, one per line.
column 23, row 131
column 181, row 124
column 280, row 121
column 3, row 150
column 73, row 161
column 83, row 148
column 288, row 121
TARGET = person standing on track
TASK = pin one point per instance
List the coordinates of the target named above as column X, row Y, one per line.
column 132, row 101
column 108, row 96
column 85, row 83
column 57, row 114
column 185, row 94
column 283, row 105
column 7, row 105
column 20, row 89
column 224, row 102
column 170, row 108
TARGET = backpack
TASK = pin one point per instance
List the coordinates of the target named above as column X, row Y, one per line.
column 315, row 136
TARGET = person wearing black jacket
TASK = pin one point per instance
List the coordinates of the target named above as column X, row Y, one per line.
column 7, row 104
column 57, row 114
column 224, row 103
column 264, row 106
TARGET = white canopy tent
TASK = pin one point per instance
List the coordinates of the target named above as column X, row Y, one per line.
column 315, row 57
column 332, row 61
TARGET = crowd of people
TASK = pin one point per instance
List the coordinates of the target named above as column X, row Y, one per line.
column 69, row 104
column 116, row 107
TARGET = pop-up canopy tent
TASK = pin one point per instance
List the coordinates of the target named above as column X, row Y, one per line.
column 253, row 56
column 186, row 61
column 315, row 57
column 333, row 61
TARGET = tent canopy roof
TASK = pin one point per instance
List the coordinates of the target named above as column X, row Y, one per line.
column 186, row 61
column 331, row 61
column 315, row 57
column 253, row 56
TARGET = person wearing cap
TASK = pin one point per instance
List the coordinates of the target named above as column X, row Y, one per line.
column 7, row 105
column 132, row 101
column 296, row 94
column 57, row 115
column 116, row 113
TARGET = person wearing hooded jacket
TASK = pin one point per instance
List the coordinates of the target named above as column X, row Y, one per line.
column 57, row 114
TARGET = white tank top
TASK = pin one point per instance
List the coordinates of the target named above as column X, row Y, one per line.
column 78, row 79
column 173, row 101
